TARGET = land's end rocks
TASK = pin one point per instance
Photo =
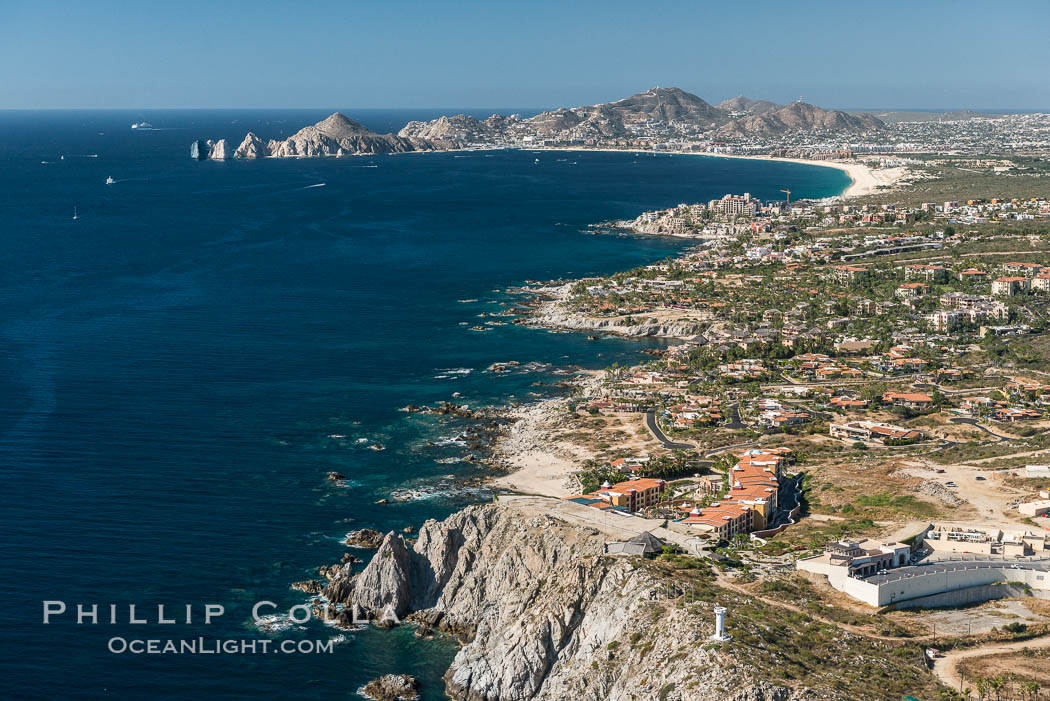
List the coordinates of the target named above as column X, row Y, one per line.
column 392, row 687
column 220, row 151
column 544, row 614
column 200, row 149
column 251, row 147
column 337, row 135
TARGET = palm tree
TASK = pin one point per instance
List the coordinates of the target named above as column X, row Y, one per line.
column 982, row 688
column 997, row 685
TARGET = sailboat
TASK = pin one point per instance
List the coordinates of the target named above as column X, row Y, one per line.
column 75, row 217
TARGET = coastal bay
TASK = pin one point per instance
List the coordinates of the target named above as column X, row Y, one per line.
column 190, row 358
column 864, row 179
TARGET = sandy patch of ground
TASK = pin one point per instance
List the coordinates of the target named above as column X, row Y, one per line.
column 547, row 443
column 990, row 498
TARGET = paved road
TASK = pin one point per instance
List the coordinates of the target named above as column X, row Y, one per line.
column 973, row 422
column 734, row 413
column 654, row 428
column 617, row 526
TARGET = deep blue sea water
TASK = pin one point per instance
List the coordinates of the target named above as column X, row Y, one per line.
column 175, row 363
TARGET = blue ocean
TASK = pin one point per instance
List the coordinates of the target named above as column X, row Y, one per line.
column 183, row 364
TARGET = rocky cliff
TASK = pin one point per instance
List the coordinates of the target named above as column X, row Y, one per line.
column 546, row 615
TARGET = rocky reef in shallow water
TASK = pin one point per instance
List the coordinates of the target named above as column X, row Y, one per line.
column 337, row 135
column 392, row 687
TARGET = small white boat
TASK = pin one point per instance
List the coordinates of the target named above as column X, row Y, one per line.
column 141, row 125
column 75, row 217
column 110, row 180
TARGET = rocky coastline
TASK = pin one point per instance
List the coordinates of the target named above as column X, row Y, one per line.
column 539, row 609
column 543, row 614
column 554, row 312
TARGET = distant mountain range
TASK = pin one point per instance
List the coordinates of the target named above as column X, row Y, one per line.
column 669, row 111
column 656, row 114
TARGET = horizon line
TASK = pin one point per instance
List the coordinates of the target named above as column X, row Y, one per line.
column 491, row 107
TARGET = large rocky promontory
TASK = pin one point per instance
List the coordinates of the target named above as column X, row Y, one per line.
column 337, row 135
column 545, row 615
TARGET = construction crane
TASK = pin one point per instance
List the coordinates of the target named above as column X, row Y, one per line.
column 787, row 199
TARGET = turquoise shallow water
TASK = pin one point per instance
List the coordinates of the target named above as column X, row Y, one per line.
column 177, row 364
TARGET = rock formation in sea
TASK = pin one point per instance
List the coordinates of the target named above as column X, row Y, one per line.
column 337, row 135
column 251, row 147
column 365, row 538
column 200, row 149
column 220, row 151
column 545, row 615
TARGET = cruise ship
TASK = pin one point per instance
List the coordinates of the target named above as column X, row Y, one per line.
column 141, row 125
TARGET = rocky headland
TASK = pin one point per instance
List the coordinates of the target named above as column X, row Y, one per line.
column 543, row 614
column 337, row 135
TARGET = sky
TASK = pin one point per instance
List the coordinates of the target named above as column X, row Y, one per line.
column 389, row 53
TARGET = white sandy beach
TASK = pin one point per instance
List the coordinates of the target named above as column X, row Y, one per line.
column 864, row 179
column 538, row 464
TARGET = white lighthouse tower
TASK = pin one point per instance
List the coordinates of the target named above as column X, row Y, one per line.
column 720, row 625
